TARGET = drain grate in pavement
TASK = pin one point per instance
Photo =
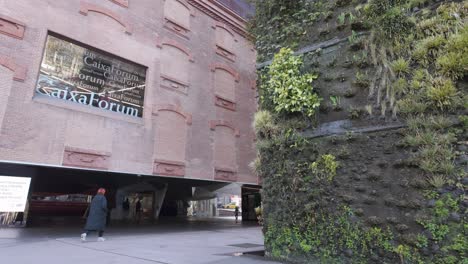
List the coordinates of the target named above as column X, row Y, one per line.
column 258, row 253
column 246, row 245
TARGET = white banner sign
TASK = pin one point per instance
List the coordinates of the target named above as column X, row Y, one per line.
column 13, row 193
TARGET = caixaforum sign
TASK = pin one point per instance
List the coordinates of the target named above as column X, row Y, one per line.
column 75, row 73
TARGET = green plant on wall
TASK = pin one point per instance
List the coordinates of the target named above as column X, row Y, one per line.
column 325, row 167
column 412, row 64
column 424, row 57
column 390, row 16
column 312, row 239
column 424, row 42
column 264, row 125
column 442, row 93
column 448, row 235
column 464, row 120
column 400, row 67
column 341, row 19
column 351, row 17
column 403, row 252
column 354, row 112
column 286, row 23
column 361, row 80
column 360, row 59
column 291, row 91
column 355, row 41
column 454, row 62
column 335, row 102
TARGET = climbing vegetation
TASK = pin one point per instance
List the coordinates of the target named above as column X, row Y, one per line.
column 325, row 167
column 264, row 124
column 312, row 240
column 291, row 91
column 402, row 61
column 286, row 24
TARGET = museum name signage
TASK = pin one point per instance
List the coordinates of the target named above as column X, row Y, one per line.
column 91, row 99
column 74, row 73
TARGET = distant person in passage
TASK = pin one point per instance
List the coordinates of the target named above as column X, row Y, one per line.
column 126, row 207
column 96, row 220
column 138, row 210
column 236, row 213
column 126, row 204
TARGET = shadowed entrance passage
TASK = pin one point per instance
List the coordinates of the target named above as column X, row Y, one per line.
column 61, row 195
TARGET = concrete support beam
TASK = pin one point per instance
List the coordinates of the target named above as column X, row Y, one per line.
column 158, row 200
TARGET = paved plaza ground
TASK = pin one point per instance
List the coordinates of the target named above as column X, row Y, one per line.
column 169, row 241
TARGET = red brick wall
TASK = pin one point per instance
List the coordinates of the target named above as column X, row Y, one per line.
column 163, row 142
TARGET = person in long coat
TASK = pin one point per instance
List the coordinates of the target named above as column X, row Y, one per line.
column 96, row 220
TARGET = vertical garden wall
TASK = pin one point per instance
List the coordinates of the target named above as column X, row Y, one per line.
column 362, row 130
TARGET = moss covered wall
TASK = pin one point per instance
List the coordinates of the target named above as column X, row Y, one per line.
column 379, row 196
column 393, row 119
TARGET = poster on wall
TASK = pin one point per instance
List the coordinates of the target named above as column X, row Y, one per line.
column 74, row 72
column 13, row 193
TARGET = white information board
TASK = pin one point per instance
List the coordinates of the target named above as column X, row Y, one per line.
column 13, row 193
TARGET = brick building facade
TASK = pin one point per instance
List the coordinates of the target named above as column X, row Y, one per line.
column 198, row 94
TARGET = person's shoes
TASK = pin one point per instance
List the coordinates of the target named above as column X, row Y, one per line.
column 101, row 239
column 83, row 237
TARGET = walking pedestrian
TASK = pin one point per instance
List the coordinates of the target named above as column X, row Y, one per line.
column 138, row 210
column 126, row 204
column 236, row 213
column 96, row 220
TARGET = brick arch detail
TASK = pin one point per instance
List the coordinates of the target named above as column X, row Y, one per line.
column 173, row 108
column 122, row 3
column 215, row 123
column 12, row 27
column 170, row 42
column 221, row 25
column 19, row 72
column 226, row 68
column 85, row 8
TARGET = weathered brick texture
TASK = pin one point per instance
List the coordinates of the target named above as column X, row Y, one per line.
column 179, row 57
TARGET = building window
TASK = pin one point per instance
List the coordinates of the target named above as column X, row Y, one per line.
column 171, row 136
column 177, row 17
column 224, row 82
column 225, row 160
column 175, row 67
column 225, row 148
column 170, row 140
column 225, row 40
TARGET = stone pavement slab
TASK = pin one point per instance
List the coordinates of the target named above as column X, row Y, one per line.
column 164, row 244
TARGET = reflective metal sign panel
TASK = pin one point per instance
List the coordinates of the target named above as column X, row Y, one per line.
column 76, row 73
